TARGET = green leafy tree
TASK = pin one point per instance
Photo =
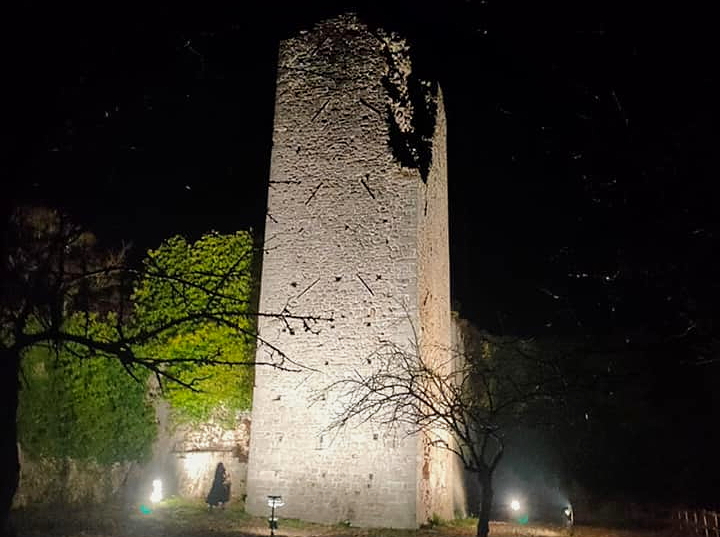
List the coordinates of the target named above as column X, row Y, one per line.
column 56, row 283
column 214, row 274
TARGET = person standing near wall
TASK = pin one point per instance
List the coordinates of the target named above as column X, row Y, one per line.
column 220, row 491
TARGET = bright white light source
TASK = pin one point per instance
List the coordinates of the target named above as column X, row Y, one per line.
column 515, row 505
column 156, row 494
column 567, row 512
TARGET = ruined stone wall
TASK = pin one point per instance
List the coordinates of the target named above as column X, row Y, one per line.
column 351, row 208
column 184, row 458
column 197, row 451
column 66, row 481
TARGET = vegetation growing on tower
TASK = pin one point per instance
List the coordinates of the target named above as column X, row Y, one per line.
column 214, row 274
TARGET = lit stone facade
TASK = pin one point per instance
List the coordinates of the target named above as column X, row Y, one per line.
column 356, row 231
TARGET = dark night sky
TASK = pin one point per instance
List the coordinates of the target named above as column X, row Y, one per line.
column 583, row 184
column 579, row 139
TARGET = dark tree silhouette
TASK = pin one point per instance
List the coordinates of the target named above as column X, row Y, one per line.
column 466, row 404
column 57, row 282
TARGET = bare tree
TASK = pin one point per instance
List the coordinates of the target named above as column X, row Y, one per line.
column 56, row 281
column 464, row 403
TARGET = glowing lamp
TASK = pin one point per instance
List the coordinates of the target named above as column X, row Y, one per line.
column 274, row 502
column 156, row 495
column 515, row 505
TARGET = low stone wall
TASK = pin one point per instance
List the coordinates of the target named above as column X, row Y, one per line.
column 184, row 458
column 197, row 451
column 67, row 481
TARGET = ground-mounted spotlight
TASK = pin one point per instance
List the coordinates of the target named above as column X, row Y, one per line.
column 518, row 511
column 157, row 493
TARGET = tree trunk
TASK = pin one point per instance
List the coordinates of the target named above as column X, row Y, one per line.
column 486, row 500
column 9, row 462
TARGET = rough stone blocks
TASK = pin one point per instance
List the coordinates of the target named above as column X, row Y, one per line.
column 356, row 231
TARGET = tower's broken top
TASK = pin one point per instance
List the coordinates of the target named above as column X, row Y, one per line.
column 340, row 49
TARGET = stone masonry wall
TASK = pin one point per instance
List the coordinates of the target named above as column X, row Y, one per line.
column 346, row 225
column 66, row 481
column 438, row 470
column 197, row 451
column 183, row 457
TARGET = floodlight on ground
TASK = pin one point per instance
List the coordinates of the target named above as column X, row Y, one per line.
column 156, row 495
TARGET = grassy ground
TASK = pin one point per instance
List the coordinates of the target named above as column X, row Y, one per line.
column 182, row 518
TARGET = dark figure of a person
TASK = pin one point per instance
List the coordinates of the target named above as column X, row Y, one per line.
column 220, row 491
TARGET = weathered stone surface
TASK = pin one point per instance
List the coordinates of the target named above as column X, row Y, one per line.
column 197, row 451
column 67, row 481
column 356, row 231
column 183, row 457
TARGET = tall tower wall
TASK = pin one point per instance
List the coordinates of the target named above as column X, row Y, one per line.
column 356, row 230
column 437, row 471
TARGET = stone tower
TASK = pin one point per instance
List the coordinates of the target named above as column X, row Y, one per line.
column 356, row 230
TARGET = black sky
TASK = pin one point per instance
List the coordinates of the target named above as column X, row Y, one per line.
column 582, row 141
column 577, row 135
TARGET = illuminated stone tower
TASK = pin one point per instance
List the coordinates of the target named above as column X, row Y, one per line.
column 356, row 230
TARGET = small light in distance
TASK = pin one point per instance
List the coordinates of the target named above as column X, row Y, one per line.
column 515, row 505
column 156, row 494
